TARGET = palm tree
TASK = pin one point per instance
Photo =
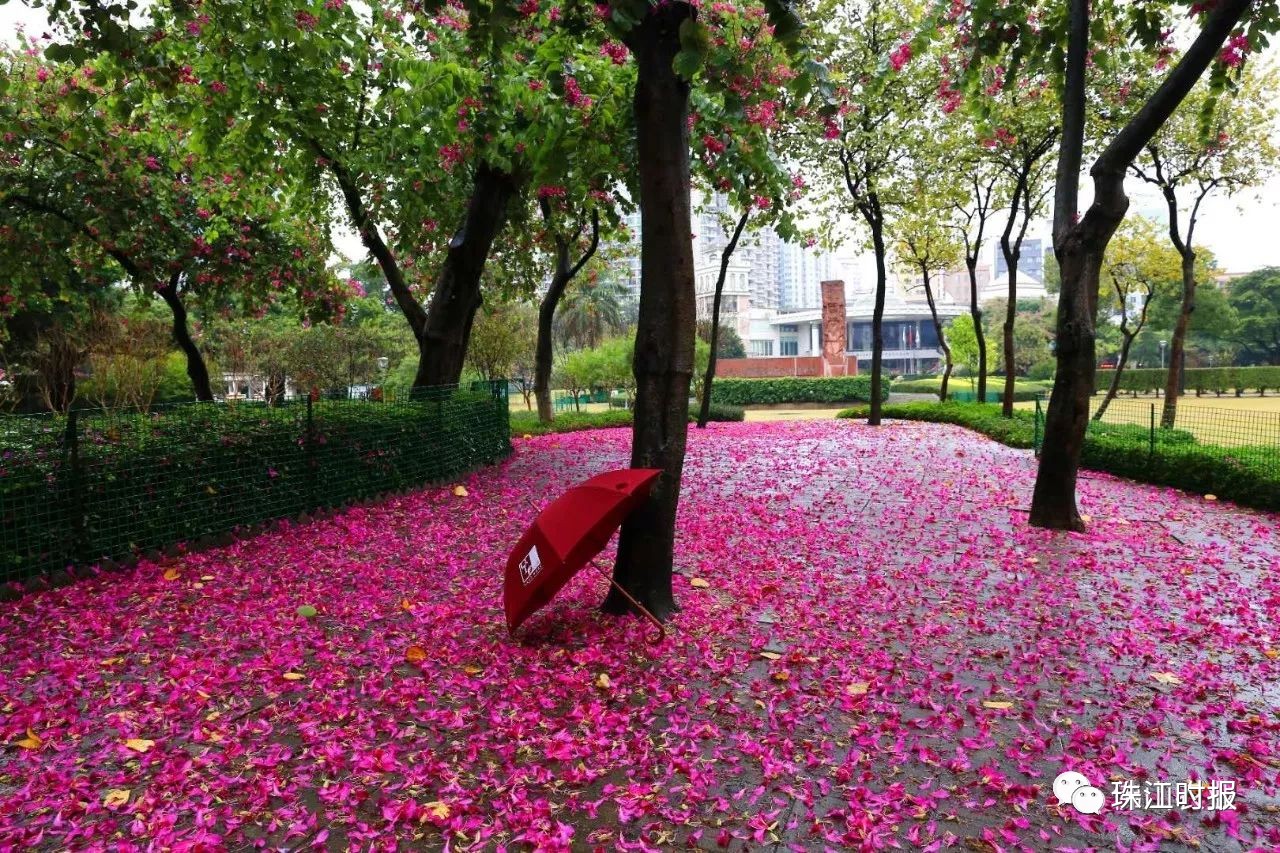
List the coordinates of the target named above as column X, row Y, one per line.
column 591, row 308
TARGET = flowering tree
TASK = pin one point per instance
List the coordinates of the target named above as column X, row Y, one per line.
column 1031, row 34
column 103, row 168
column 883, row 94
column 739, row 152
column 1189, row 160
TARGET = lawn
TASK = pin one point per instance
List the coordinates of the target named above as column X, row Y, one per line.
column 877, row 652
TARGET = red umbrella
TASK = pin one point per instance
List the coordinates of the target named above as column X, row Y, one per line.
column 566, row 535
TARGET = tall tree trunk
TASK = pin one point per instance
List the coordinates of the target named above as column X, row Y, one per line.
column 664, row 334
column 1125, row 344
column 1178, row 341
column 197, row 370
column 1079, row 245
column 875, row 218
column 1010, row 316
column 937, row 325
column 704, row 411
column 975, row 311
column 543, row 352
column 442, row 346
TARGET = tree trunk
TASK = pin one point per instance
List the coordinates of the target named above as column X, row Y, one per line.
column 543, row 352
column 1010, row 316
column 664, row 334
column 456, row 298
column 1178, row 341
column 704, row 411
column 196, row 368
column 875, row 219
column 937, row 325
column 547, row 310
column 1114, row 389
column 971, row 263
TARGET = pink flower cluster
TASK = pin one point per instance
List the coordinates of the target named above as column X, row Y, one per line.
column 1237, row 49
column 763, row 114
column 616, row 51
column 573, row 95
column 900, row 56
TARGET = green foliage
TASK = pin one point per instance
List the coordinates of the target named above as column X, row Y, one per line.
column 835, row 389
column 527, row 423
column 728, row 342
column 1213, row 380
column 964, row 343
column 1255, row 299
column 146, row 481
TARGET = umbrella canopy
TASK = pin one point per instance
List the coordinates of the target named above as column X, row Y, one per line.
column 568, row 533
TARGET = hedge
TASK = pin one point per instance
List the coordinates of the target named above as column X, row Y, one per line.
column 1201, row 380
column 527, row 423
column 1178, row 460
column 140, row 481
column 827, row 389
column 1022, row 391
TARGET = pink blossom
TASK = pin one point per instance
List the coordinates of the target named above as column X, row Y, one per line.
column 900, row 56
column 616, row 51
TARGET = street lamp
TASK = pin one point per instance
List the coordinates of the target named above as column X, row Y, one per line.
column 1163, row 344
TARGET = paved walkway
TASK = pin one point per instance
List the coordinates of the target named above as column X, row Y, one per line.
column 882, row 654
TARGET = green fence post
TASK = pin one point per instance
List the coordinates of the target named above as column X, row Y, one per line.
column 75, row 496
column 309, row 442
column 1151, row 449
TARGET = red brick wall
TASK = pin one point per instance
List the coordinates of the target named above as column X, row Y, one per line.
column 767, row 368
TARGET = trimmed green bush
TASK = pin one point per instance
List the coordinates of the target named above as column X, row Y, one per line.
column 527, row 423
column 823, row 389
column 1240, row 474
column 1201, row 380
column 147, row 480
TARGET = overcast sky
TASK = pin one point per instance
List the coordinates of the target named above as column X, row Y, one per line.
column 1243, row 232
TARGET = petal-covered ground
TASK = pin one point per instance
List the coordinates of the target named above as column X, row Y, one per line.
column 883, row 655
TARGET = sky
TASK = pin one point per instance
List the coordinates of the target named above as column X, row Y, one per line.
column 1242, row 232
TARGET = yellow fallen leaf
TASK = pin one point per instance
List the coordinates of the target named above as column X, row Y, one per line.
column 528, row 435
column 996, row 704
column 602, row 681
column 211, row 716
column 770, row 655
column 1272, row 653
column 472, row 669
column 782, row 676
column 1166, row 678
column 415, row 654
column 1211, row 497
column 293, row 676
column 460, row 491
column 406, row 604
column 857, row 688
column 1085, row 517
column 31, row 741
column 111, row 661
column 139, row 744
column 206, row 577
column 211, row 490
column 699, row 583
column 437, row 809
column 172, row 575
column 116, row 797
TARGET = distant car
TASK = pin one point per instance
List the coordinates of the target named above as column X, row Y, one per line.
column 1108, row 364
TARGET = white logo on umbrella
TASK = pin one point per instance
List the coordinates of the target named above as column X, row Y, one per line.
column 530, row 566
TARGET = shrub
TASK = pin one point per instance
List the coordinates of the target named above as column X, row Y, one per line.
column 919, row 386
column 1215, row 380
column 527, row 423
column 146, row 481
column 830, row 389
column 1043, row 370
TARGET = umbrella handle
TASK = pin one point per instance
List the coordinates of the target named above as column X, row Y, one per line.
column 662, row 629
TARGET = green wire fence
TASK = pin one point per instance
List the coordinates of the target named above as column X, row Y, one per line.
column 93, row 484
column 1249, row 435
